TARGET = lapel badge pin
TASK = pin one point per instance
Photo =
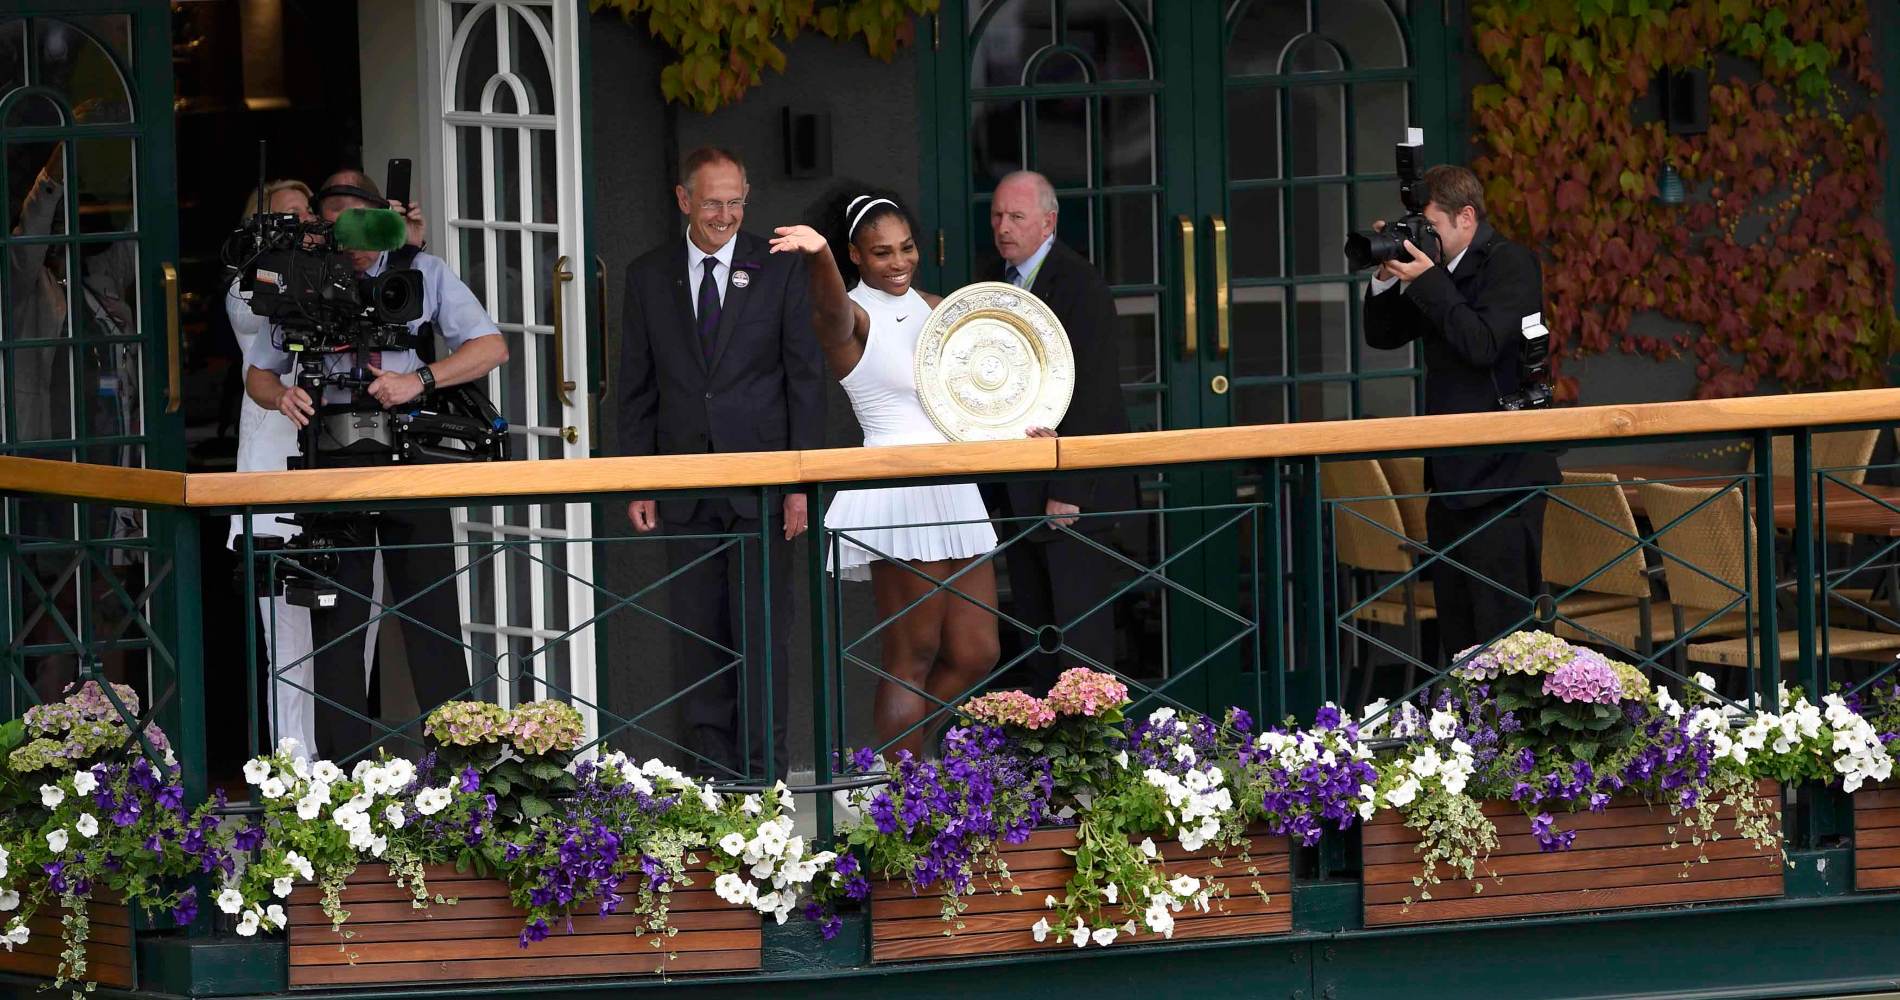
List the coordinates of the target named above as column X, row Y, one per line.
column 740, row 279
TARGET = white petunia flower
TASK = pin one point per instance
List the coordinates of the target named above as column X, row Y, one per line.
column 230, row 900
column 1184, row 885
column 274, row 916
column 709, row 798
column 1148, row 848
column 281, row 887
column 1443, row 725
column 247, row 924
column 51, row 796
column 301, row 865
column 394, row 815
column 87, row 825
column 272, row 788
column 57, row 841
column 1104, row 936
column 1040, row 930
column 733, row 844
column 1111, row 893
column 308, row 808
column 84, row 782
column 1080, row 933
column 9, row 900
column 19, row 933
column 751, row 805
column 1403, row 794
column 256, row 770
column 325, row 772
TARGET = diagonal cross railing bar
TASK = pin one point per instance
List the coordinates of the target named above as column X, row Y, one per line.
column 1346, row 621
column 848, row 654
column 629, row 601
column 1146, row 573
column 132, row 607
column 1433, row 556
column 395, row 610
column 49, row 605
column 495, row 672
column 937, row 585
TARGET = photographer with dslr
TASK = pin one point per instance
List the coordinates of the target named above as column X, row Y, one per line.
column 1472, row 299
column 348, row 430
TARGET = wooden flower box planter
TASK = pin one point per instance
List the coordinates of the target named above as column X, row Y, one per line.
column 386, row 940
column 1877, row 837
column 108, row 947
column 908, row 926
column 1622, row 858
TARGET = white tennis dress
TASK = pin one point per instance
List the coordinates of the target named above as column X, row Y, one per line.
column 914, row 523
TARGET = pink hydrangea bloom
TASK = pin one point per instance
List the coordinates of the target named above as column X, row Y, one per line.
column 1587, row 677
column 1080, row 691
column 1011, row 708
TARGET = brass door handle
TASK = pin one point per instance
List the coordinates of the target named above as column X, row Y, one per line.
column 174, row 363
column 1223, row 336
column 1190, row 313
column 563, row 385
column 600, row 309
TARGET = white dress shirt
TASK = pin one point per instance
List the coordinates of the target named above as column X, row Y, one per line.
column 696, row 268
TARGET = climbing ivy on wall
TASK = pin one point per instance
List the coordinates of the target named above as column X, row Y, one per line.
column 1777, row 264
column 723, row 45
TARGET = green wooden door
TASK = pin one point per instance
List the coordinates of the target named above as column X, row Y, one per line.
column 1297, row 107
column 89, row 360
column 1209, row 155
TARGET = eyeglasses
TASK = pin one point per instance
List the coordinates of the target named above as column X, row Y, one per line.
column 710, row 207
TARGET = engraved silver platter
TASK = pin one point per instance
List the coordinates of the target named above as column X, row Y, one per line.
column 992, row 362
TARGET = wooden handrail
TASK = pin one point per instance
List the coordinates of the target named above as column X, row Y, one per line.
column 496, row 479
column 79, row 480
column 1400, row 434
column 978, row 459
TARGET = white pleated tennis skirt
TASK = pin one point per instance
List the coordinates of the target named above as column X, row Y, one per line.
column 912, row 523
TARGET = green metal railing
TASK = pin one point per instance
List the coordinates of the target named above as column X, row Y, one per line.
column 1282, row 634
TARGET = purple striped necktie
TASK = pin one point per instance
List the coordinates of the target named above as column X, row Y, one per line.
column 708, row 307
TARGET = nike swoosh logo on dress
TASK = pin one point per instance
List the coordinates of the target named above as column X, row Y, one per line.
column 900, row 319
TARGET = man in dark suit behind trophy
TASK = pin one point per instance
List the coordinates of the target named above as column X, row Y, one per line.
column 717, row 355
column 1058, row 576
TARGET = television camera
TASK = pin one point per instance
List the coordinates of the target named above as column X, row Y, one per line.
column 332, row 321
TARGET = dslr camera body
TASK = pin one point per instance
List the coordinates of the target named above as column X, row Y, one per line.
column 1370, row 248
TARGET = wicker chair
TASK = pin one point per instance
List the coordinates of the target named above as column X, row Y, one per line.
column 1369, row 541
column 1406, row 476
column 1709, row 565
column 1589, row 534
column 1582, row 550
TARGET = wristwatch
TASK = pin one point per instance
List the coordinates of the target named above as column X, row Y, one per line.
column 427, row 377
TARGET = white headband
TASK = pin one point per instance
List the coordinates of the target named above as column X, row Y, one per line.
column 852, row 229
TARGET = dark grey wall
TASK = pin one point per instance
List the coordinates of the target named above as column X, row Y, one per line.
column 636, row 138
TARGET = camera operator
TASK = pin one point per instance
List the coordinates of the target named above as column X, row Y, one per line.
column 1470, row 314
column 420, row 579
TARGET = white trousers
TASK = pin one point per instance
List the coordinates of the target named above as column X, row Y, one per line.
column 287, row 640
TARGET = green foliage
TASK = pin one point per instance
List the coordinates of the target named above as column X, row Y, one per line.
column 724, row 45
column 1809, row 301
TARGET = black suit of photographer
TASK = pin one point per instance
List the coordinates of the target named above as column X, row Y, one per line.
column 1468, row 316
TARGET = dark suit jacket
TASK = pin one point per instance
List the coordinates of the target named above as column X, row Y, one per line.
column 1471, row 323
column 1079, row 296
column 764, row 390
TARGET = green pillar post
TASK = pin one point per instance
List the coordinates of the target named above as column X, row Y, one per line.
column 818, row 497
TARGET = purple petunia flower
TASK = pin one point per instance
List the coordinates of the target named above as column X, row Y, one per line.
column 186, row 909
